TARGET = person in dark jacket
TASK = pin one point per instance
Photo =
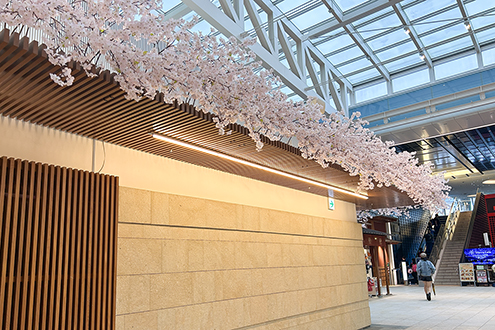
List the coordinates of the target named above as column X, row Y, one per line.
column 426, row 269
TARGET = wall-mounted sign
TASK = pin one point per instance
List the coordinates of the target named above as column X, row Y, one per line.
column 481, row 256
column 331, row 204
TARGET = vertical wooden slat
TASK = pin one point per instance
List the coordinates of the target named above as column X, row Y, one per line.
column 18, row 258
column 58, row 236
column 105, row 281
column 101, row 220
column 12, row 254
column 78, row 236
column 66, row 220
column 35, row 274
column 70, row 259
column 5, row 182
column 113, row 251
column 44, row 240
column 29, row 261
column 52, row 188
column 89, row 277
column 55, row 246
column 94, row 271
column 84, row 236
column 60, row 221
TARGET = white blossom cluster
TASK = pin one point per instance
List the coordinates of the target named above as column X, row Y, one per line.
column 364, row 216
column 217, row 76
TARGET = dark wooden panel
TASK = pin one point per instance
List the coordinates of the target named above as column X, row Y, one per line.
column 58, row 247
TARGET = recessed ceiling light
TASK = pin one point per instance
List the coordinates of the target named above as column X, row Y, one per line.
column 492, row 181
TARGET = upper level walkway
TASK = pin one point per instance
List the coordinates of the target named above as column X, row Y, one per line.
column 454, row 307
column 439, row 108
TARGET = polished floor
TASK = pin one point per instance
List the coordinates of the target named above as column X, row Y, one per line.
column 453, row 307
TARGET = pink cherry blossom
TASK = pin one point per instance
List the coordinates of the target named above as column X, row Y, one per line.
column 219, row 76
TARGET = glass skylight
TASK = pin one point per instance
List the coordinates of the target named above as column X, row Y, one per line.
column 348, row 4
column 167, row 5
column 438, row 31
column 380, row 26
column 397, row 51
column 317, row 14
column 345, row 55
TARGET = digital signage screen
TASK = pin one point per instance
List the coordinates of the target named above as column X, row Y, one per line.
column 482, row 256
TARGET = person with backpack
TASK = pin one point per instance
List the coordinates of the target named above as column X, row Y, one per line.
column 414, row 272
column 426, row 269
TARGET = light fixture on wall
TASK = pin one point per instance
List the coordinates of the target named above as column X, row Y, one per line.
column 467, row 25
column 407, row 30
column 245, row 162
column 422, row 56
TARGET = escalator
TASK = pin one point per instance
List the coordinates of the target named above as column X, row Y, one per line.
column 462, row 230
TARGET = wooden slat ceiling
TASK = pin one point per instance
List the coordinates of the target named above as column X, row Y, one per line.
column 96, row 108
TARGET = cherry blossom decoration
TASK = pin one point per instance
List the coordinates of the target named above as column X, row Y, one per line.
column 364, row 216
column 217, row 76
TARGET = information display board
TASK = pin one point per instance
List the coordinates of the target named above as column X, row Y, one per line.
column 466, row 272
column 481, row 256
column 481, row 276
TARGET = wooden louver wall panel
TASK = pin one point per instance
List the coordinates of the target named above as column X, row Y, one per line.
column 58, row 230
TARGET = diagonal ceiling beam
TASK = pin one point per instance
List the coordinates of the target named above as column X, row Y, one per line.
column 412, row 34
column 270, row 55
column 454, row 155
column 452, row 144
column 209, row 12
column 467, row 20
column 359, row 13
column 177, row 12
column 335, row 10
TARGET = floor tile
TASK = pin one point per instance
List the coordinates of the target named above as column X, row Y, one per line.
column 454, row 307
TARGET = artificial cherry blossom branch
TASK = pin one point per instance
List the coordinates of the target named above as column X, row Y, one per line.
column 222, row 77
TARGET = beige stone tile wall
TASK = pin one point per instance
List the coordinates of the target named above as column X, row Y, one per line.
column 191, row 263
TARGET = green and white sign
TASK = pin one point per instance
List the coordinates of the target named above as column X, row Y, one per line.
column 331, row 204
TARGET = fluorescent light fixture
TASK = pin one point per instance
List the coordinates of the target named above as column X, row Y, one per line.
column 492, row 181
column 261, row 167
column 471, row 195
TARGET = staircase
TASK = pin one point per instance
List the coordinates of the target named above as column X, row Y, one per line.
column 448, row 266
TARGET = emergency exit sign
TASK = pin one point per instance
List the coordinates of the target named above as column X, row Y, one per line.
column 331, row 204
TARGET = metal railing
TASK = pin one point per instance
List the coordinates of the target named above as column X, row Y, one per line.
column 445, row 232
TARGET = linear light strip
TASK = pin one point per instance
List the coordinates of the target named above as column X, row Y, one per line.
column 261, row 167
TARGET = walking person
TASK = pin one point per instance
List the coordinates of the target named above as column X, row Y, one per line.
column 426, row 269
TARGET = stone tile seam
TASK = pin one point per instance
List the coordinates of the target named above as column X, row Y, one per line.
column 240, row 269
column 253, row 326
column 242, row 230
column 234, row 241
column 255, row 296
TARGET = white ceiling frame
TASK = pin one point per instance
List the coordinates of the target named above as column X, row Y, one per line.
column 317, row 81
column 258, row 26
column 177, row 12
column 465, row 15
column 413, row 34
column 287, row 50
column 335, row 10
column 352, row 16
column 228, row 9
column 269, row 55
